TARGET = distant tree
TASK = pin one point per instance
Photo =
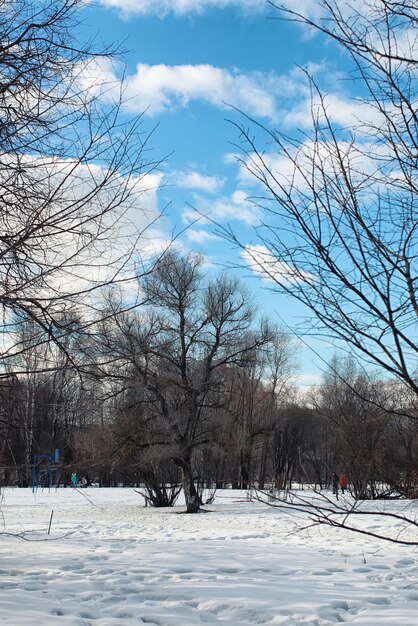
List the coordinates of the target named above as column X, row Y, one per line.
column 351, row 402
column 252, row 395
column 398, row 461
column 44, row 407
column 285, row 451
column 244, row 421
column 9, row 410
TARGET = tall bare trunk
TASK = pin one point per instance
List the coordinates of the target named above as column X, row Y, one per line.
column 190, row 493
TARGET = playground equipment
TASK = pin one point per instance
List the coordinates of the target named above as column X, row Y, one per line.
column 45, row 469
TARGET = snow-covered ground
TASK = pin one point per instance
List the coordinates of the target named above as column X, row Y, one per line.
column 109, row 561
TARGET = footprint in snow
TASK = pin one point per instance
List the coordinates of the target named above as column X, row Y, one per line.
column 404, row 562
column 378, row 601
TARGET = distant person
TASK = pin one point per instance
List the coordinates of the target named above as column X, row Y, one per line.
column 84, row 482
column 73, row 479
column 335, row 483
column 343, row 482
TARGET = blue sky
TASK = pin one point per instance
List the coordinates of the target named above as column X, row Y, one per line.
column 187, row 60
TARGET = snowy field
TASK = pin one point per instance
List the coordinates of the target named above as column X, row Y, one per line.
column 109, row 561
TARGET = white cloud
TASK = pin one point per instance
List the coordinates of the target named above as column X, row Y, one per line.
column 308, row 380
column 311, row 9
column 160, row 88
column 341, row 111
column 236, row 207
column 305, row 383
column 164, row 88
column 97, row 78
column 231, row 158
column 262, row 262
column 201, row 236
column 197, row 181
column 161, row 8
column 276, row 168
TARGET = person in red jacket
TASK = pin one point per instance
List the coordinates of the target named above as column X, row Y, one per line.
column 343, row 482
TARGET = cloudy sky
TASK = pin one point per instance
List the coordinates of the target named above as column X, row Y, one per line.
column 191, row 64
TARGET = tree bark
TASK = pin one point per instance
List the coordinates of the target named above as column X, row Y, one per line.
column 190, row 493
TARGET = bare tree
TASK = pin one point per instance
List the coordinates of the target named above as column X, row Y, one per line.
column 252, row 396
column 244, row 421
column 341, row 203
column 177, row 352
column 351, row 402
column 43, row 410
column 320, row 509
column 72, row 175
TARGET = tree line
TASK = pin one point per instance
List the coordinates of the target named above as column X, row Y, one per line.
column 194, row 391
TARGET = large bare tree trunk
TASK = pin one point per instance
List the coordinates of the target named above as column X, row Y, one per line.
column 190, row 493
